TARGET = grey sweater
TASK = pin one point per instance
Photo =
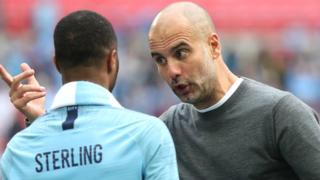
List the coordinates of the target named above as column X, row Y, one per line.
column 259, row 133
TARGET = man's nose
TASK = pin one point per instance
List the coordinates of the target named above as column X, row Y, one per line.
column 173, row 69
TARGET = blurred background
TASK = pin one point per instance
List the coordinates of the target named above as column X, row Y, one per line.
column 276, row 42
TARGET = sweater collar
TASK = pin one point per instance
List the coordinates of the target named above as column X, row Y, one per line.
column 227, row 96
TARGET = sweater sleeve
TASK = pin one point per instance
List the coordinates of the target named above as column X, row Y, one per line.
column 297, row 134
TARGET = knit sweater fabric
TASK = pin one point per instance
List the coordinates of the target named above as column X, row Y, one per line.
column 259, row 133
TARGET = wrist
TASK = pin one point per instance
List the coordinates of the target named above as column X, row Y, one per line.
column 32, row 117
column 27, row 122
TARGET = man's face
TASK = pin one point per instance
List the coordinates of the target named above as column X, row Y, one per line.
column 184, row 62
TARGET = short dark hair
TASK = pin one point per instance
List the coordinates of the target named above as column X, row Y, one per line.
column 83, row 38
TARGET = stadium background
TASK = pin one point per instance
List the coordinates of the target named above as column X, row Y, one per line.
column 276, row 42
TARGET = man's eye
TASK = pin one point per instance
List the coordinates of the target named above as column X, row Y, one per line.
column 160, row 60
column 181, row 53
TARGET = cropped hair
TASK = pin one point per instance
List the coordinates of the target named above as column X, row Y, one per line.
column 83, row 38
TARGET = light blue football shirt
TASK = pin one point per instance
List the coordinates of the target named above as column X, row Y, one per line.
column 88, row 135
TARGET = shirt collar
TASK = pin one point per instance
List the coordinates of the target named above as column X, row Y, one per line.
column 229, row 93
column 83, row 93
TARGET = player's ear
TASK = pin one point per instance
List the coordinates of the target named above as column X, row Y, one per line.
column 56, row 64
column 112, row 61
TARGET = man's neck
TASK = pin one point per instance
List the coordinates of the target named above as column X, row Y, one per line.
column 91, row 74
column 222, row 83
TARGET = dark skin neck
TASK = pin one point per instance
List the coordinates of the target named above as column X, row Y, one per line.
column 82, row 73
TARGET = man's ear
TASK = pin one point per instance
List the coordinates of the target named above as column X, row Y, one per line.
column 56, row 64
column 112, row 61
column 214, row 45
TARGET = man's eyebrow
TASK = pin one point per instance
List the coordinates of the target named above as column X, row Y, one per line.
column 155, row 54
column 173, row 49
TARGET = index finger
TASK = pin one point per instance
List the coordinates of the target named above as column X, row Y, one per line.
column 6, row 76
column 31, row 79
column 16, row 81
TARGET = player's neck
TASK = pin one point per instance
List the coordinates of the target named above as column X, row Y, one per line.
column 90, row 74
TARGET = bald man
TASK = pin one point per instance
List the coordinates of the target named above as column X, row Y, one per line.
column 227, row 127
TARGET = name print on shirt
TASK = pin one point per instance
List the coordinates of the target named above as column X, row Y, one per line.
column 67, row 158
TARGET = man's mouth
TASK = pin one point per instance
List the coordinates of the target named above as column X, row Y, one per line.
column 182, row 89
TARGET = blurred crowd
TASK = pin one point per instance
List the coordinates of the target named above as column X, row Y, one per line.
column 288, row 59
